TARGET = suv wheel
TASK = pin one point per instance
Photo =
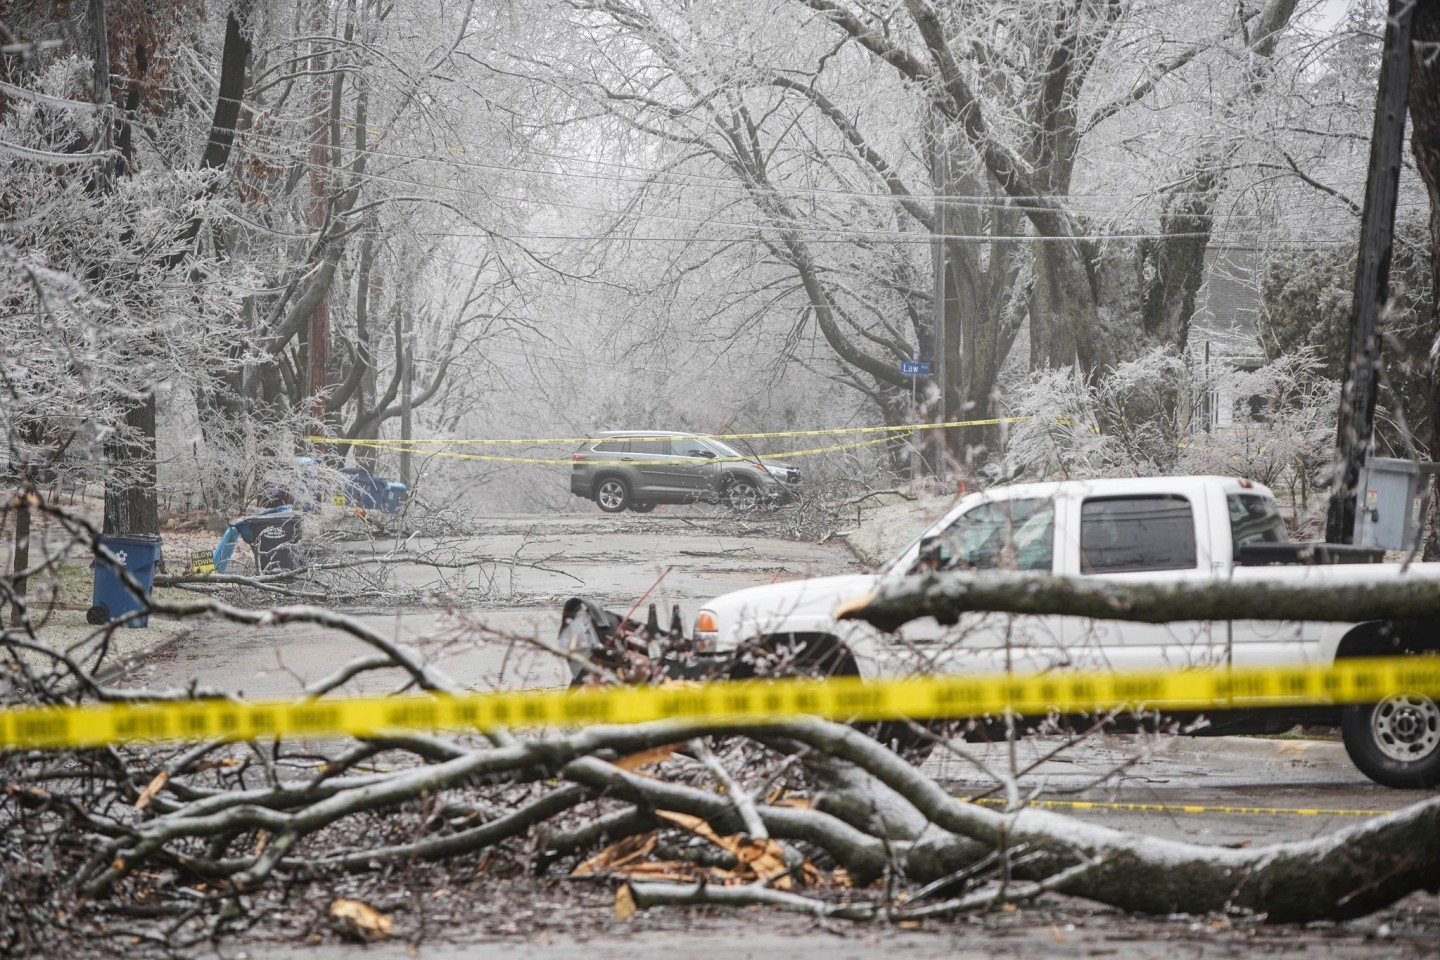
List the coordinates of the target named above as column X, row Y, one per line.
column 612, row 495
column 742, row 494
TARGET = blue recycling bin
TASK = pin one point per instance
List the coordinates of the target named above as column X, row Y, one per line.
column 364, row 489
column 395, row 496
column 112, row 599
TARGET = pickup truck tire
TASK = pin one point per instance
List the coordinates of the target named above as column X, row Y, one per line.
column 1395, row 742
column 612, row 494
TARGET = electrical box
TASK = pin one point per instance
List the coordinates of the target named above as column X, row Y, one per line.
column 1390, row 500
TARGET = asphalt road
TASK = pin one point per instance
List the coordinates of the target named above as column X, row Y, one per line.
column 1218, row 790
column 524, row 568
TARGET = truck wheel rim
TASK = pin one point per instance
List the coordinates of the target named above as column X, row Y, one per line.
column 1406, row 727
column 611, row 494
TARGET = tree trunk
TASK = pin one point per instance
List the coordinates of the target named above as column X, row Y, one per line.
column 318, row 341
column 130, row 501
column 130, row 504
column 234, row 63
column 21, row 556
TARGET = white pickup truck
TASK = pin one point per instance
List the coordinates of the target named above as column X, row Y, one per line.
column 1168, row 528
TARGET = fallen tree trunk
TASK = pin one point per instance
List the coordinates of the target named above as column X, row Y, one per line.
column 1348, row 597
column 1345, row 874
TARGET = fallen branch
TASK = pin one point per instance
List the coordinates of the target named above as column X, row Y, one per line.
column 1263, row 594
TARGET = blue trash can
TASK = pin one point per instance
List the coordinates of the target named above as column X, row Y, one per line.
column 112, row 599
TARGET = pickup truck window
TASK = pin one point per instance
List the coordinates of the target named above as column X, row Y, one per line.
column 1128, row 534
column 1000, row 535
column 1254, row 519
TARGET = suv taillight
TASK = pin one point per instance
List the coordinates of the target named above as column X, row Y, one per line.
column 579, row 456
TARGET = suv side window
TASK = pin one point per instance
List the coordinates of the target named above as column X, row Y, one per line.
column 690, row 447
column 610, row 446
column 1000, row 535
column 650, row 446
column 1128, row 534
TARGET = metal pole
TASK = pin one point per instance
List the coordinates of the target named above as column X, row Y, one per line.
column 1372, row 273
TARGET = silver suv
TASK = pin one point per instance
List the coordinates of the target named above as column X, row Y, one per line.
column 637, row 469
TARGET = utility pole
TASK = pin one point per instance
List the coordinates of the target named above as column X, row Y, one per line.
column 407, row 431
column 1372, row 274
column 941, row 176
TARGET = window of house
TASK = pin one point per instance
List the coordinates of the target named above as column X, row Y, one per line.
column 1128, row 534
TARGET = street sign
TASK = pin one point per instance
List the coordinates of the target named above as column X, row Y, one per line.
column 915, row 368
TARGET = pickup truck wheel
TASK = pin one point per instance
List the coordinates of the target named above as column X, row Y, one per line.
column 1395, row 742
column 612, row 495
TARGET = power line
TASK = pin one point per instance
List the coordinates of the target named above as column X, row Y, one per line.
column 998, row 203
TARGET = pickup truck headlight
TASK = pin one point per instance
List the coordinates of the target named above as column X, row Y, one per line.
column 707, row 632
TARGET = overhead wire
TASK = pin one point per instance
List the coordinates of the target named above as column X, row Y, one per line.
column 986, row 203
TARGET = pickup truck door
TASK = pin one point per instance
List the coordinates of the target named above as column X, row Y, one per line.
column 1141, row 537
column 1248, row 517
column 996, row 535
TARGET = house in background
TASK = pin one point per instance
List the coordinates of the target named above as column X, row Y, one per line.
column 1224, row 332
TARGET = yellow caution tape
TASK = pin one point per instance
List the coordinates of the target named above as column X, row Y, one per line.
column 840, row 698
column 555, row 441
column 1179, row 808
column 566, row 461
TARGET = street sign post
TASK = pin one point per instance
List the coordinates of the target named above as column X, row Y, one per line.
column 915, row 368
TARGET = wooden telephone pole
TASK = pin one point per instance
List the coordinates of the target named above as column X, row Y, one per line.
column 1372, row 273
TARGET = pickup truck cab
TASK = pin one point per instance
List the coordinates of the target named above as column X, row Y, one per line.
column 1167, row 528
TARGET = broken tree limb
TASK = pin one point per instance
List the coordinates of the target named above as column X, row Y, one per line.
column 1345, row 874
column 1343, row 597
column 648, row 894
